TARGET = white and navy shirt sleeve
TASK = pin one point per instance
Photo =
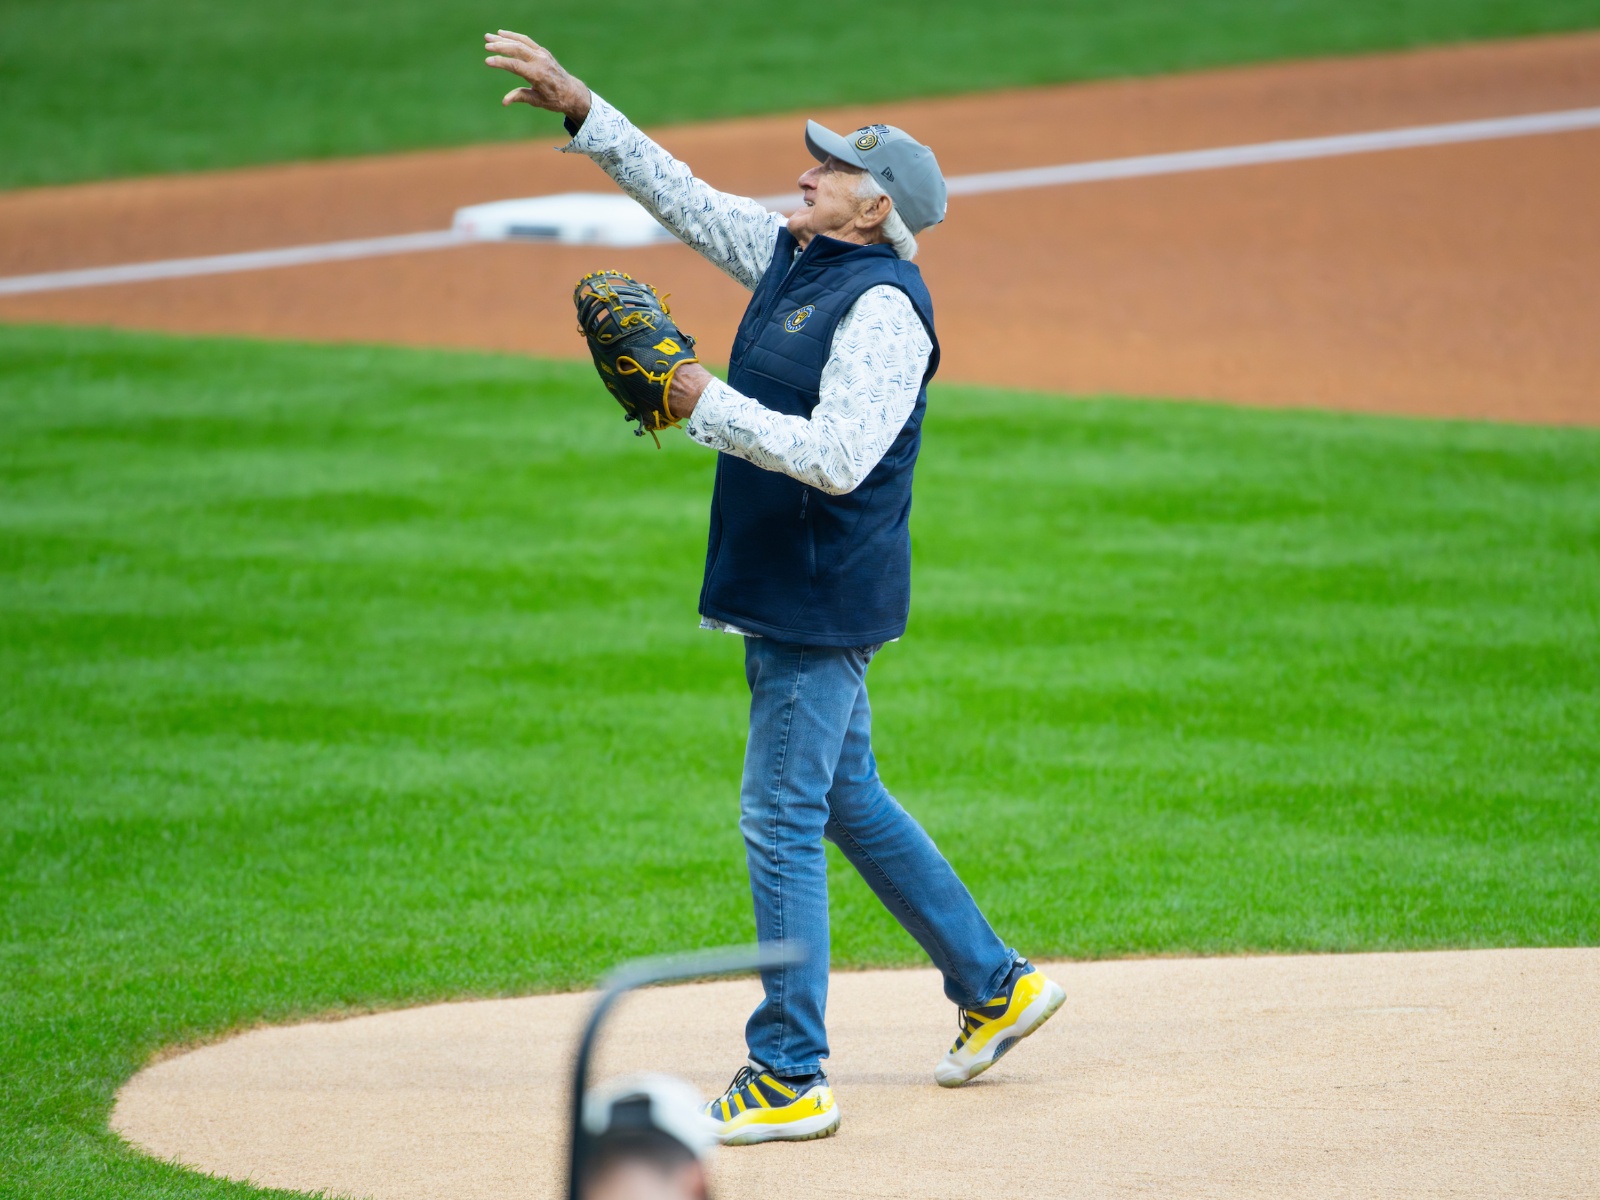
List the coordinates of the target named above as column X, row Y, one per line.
column 735, row 233
column 880, row 348
column 869, row 387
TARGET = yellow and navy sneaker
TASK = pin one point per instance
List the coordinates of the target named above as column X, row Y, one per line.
column 987, row 1032
column 760, row 1107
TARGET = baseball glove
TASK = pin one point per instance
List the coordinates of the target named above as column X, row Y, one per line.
column 636, row 347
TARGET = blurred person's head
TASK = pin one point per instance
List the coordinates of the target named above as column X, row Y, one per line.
column 647, row 1140
column 642, row 1166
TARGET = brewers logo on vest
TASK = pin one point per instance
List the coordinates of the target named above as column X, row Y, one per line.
column 798, row 318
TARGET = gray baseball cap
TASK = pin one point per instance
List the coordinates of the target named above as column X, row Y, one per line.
column 903, row 167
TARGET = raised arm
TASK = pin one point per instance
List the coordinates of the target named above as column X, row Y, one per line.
column 735, row 233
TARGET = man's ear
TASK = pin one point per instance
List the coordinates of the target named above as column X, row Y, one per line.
column 875, row 213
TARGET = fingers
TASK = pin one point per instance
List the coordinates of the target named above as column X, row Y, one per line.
column 511, row 50
column 526, row 59
column 516, row 46
column 531, row 72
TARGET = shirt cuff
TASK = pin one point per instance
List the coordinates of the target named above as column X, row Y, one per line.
column 711, row 411
column 601, row 130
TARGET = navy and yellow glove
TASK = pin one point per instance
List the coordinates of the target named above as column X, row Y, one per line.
column 636, row 346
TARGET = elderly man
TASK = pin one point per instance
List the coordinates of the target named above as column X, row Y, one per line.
column 817, row 429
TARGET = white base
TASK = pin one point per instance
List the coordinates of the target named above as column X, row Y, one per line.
column 570, row 219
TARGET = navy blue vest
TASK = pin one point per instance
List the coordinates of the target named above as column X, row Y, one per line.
column 786, row 560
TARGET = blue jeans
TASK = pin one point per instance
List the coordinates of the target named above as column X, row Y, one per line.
column 809, row 774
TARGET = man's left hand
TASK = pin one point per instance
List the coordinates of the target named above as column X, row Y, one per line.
column 687, row 383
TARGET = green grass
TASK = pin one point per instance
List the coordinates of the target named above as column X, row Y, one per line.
column 92, row 88
column 343, row 677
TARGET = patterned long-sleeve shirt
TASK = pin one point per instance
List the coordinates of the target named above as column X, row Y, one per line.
column 880, row 348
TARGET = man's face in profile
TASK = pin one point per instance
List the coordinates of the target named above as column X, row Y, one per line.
column 635, row 1179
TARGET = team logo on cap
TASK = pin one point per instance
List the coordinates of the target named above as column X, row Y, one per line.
column 868, row 136
column 798, row 317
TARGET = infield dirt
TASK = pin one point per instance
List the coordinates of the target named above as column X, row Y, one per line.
column 1456, row 280
column 1460, row 1073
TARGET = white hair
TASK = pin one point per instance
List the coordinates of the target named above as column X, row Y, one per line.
column 895, row 230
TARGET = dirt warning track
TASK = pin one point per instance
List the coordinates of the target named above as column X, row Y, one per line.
column 1463, row 1074
column 1450, row 280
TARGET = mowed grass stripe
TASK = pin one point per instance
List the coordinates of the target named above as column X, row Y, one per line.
column 299, row 79
column 343, row 677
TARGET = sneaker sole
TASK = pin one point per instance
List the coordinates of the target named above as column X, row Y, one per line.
column 807, row 1129
column 1044, row 1006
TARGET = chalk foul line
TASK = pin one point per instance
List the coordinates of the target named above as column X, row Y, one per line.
column 1294, row 150
column 223, row 264
column 1137, row 166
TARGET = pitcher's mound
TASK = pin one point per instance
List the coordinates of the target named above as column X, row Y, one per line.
column 1473, row 1073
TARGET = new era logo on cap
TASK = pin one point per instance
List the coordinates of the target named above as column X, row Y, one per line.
column 905, row 168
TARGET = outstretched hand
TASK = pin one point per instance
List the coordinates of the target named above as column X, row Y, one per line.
column 548, row 84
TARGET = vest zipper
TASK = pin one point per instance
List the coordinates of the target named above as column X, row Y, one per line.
column 811, row 534
column 777, row 292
